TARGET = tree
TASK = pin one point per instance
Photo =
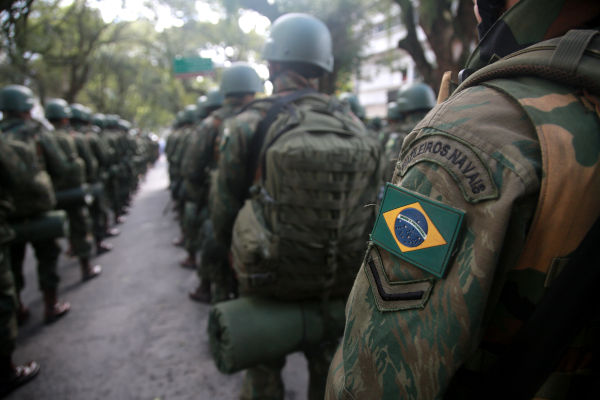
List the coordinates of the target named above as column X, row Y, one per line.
column 450, row 28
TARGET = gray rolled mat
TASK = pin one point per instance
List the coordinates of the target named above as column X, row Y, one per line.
column 50, row 225
column 248, row 331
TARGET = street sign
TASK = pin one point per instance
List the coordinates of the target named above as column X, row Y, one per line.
column 187, row 67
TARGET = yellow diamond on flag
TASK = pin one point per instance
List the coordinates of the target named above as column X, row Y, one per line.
column 412, row 229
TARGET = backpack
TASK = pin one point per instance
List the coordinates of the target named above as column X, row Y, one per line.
column 302, row 232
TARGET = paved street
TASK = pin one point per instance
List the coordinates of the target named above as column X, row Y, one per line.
column 132, row 333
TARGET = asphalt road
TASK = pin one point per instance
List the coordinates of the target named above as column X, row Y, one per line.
column 132, row 333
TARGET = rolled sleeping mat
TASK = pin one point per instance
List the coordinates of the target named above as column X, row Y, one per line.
column 78, row 196
column 97, row 190
column 50, row 225
column 248, row 331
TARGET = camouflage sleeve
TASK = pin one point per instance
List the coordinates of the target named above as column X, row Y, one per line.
column 12, row 170
column 56, row 162
column 198, row 153
column 232, row 182
column 407, row 330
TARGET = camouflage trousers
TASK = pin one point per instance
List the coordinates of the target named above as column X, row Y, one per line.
column 46, row 252
column 263, row 382
column 192, row 226
column 80, row 231
column 214, row 265
column 99, row 216
column 8, row 305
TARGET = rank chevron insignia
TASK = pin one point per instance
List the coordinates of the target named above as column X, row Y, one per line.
column 419, row 230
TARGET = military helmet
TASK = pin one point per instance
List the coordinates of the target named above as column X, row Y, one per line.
column 190, row 114
column 418, row 96
column 200, row 106
column 240, row 78
column 214, row 98
column 112, row 121
column 299, row 37
column 396, row 109
column 80, row 112
column 123, row 124
column 355, row 106
column 57, row 109
column 16, row 98
column 99, row 120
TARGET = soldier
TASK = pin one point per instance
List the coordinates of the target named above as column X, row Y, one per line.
column 13, row 172
column 239, row 84
column 80, row 233
column 461, row 293
column 282, row 179
column 91, row 150
column 412, row 104
column 16, row 102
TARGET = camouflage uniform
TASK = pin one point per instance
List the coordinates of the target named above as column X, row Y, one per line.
column 477, row 152
column 80, row 235
column 11, row 175
column 198, row 165
column 50, row 158
column 394, row 135
column 231, row 189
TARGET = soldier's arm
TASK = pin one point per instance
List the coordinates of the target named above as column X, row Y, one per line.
column 232, row 184
column 57, row 162
column 408, row 330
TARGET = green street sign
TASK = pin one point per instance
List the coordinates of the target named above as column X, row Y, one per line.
column 186, row 67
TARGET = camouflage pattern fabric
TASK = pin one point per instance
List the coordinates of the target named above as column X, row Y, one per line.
column 13, row 172
column 50, row 158
column 396, row 133
column 80, row 232
column 230, row 191
column 477, row 152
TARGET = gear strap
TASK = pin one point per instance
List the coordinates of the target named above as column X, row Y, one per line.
column 258, row 139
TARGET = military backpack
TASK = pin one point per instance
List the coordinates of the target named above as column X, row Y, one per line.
column 304, row 228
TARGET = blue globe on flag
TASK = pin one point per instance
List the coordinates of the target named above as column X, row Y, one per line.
column 411, row 227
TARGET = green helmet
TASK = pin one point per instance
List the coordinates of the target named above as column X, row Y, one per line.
column 397, row 109
column 123, row 124
column 200, row 105
column 112, row 121
column 57, row 109
column 240, row 78
column 99, row 120
column 214, row 99
column 355, row 106
column 16, row 98
column 190, row 114
column 418, row 96
column 299, row 38
column 80, row 112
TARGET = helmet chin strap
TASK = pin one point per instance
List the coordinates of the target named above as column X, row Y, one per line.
column 489, row 11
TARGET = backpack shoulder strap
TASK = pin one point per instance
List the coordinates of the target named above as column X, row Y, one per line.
column 263, row 127
column 572, row 59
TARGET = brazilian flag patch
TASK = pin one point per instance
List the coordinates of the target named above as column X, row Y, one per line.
column 419, row 230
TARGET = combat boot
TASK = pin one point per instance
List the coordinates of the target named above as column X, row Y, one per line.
column 202, row 292
column 88, row 271
column 53, row 309
column 12, row 376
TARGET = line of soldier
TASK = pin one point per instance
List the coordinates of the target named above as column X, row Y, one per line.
column 214, row 168
column 67, row 181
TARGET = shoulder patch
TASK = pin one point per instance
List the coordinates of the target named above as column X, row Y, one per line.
column 419, row 230
column 458, row 159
